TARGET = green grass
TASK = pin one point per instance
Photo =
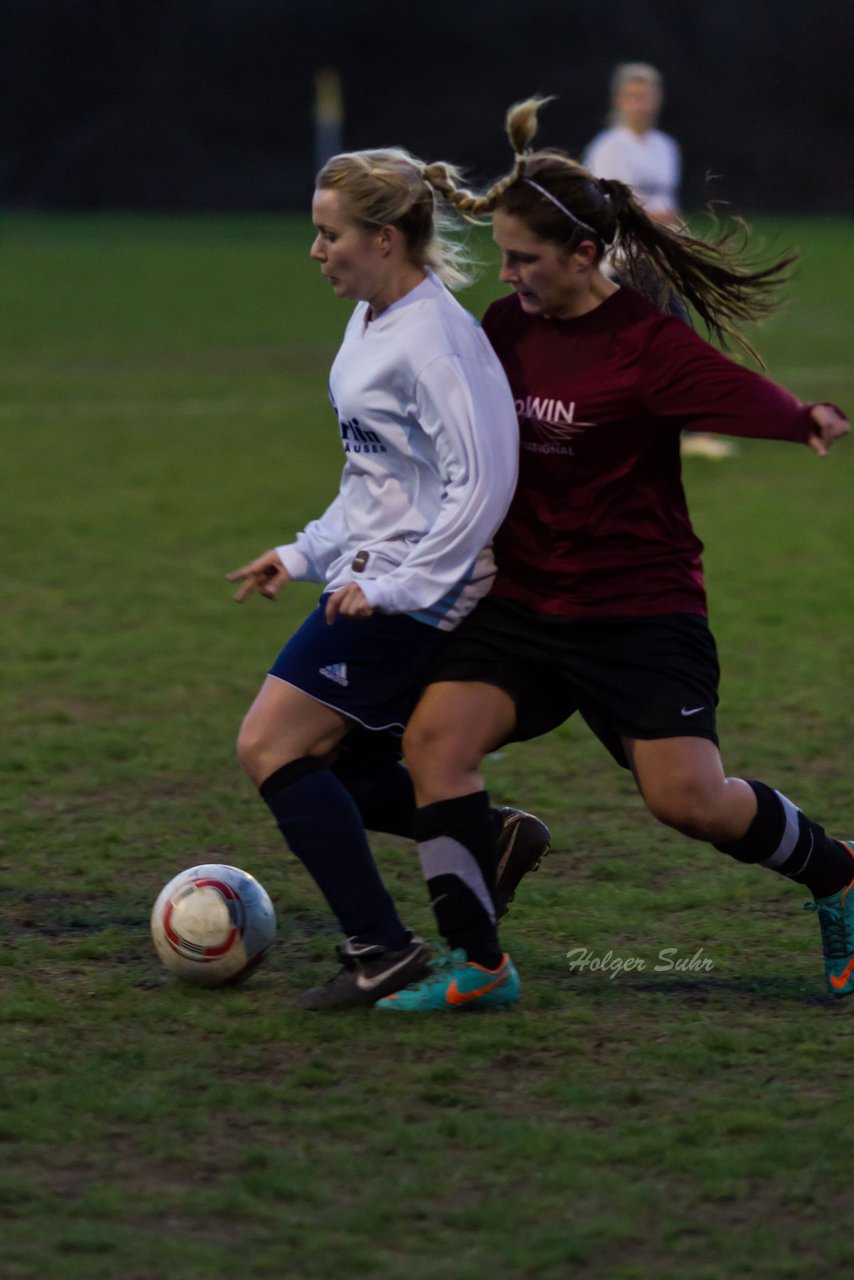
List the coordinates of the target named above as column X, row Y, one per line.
column 162, row 400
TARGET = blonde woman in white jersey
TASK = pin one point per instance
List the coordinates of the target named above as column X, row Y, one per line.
column 430, row 440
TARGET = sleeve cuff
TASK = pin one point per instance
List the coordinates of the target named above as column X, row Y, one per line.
column 294, row 561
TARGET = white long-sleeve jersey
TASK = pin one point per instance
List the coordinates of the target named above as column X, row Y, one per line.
column 431, row 444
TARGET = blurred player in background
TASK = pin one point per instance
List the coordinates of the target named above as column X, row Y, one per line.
column 430, row 444
column 637, row 153
column 633, row 149
column 599, row 604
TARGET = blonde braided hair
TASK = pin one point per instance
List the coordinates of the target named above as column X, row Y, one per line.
column 392, row 187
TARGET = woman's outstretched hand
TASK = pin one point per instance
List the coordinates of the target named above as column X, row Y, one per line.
column 266, row 575
column 830, row 424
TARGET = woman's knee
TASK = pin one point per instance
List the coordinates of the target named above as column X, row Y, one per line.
column 683, row 784
column 688, row 805
column 431, row 742
column 441, row 757
column 457, row 725
column 278, row 729
column 250, row 746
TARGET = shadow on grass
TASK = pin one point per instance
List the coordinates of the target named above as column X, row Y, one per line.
column 782, row 990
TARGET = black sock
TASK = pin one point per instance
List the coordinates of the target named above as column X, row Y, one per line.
column 322, row 826
column 785, row 840
column 457, row 848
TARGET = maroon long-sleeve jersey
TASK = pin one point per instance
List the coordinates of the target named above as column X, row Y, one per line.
column 599, row 525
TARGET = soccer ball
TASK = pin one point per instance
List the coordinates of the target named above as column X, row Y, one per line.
column 213, row 925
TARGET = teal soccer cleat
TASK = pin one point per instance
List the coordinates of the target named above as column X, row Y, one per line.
column 457, row 983
column 836, row 918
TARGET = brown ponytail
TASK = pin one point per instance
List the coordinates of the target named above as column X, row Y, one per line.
column 561, row 201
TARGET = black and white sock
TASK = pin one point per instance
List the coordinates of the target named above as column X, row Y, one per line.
column 457, row 848
column 785, row 840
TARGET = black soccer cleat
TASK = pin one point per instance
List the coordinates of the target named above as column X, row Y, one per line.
column 523, row 842
column 368, row 972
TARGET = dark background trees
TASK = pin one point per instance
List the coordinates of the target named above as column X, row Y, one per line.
column 207, row 104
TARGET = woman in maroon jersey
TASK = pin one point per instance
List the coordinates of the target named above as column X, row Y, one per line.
column 599, row 605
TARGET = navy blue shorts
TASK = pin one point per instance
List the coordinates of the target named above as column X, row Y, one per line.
column 372, row 669
column 643, row 678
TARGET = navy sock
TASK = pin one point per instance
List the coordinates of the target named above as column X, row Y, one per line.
column 322, row 826
column 785, row 840
column 369, row 764
column 382, row 789
column 457, row 847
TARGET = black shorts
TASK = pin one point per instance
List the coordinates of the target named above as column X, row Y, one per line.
column 628, row 677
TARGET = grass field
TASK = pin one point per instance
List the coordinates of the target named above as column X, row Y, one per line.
column 164, row 418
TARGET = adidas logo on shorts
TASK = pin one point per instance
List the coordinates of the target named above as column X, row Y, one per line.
column 336, row 671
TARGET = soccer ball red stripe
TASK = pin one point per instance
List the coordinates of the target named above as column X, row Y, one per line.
column 212, row 925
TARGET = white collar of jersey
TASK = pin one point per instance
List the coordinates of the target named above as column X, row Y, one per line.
column 426, row 288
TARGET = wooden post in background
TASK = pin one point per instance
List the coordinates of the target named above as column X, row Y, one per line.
column 328, row 116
